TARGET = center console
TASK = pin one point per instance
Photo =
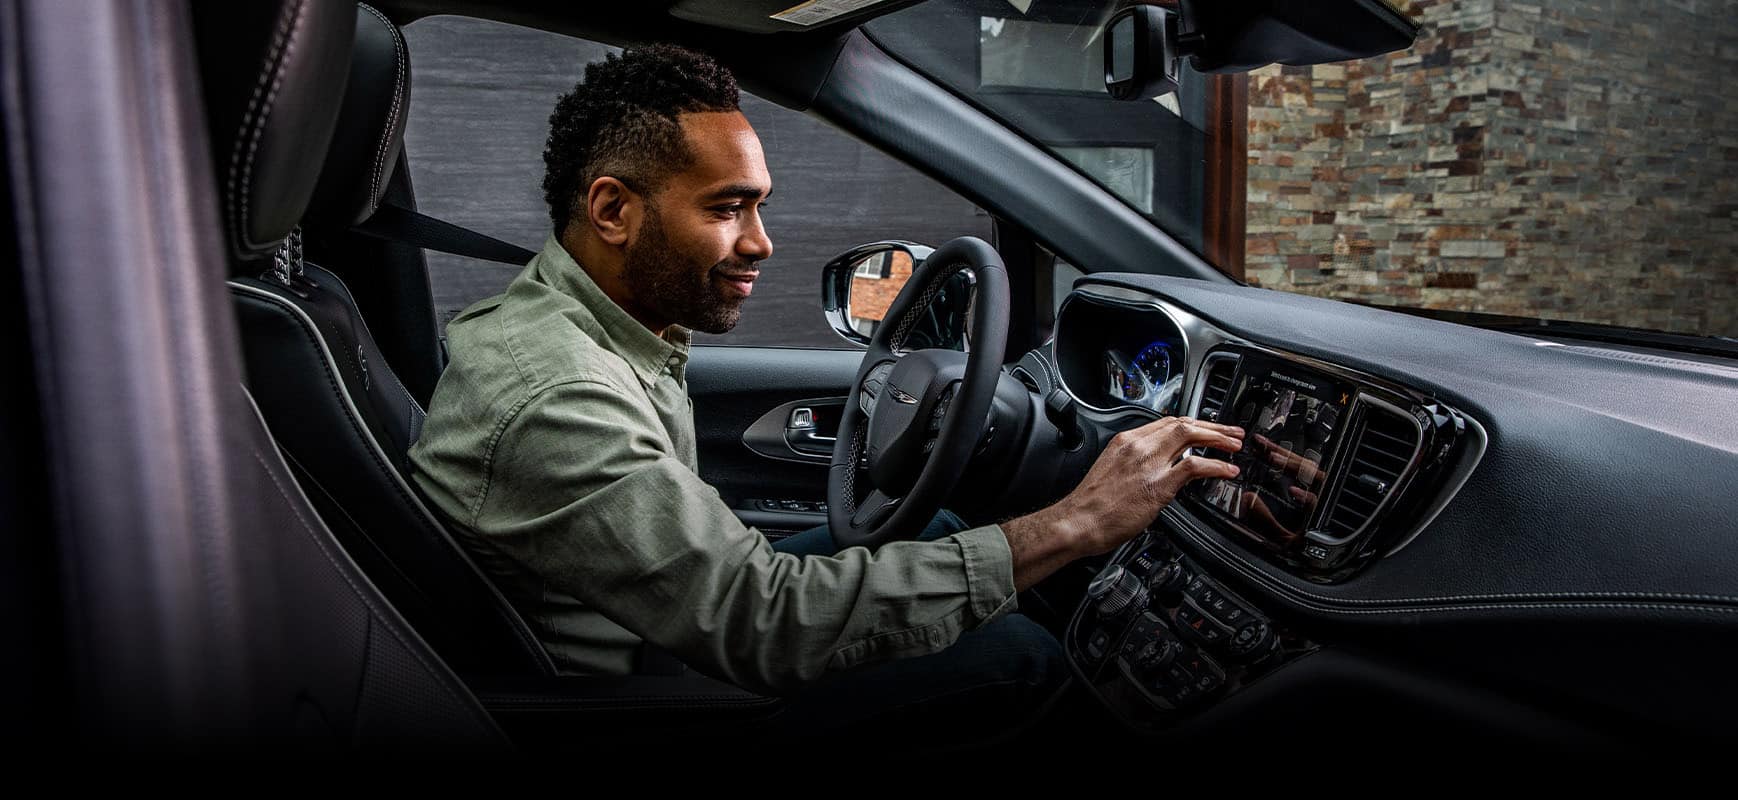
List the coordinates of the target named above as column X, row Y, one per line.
column 1158, row 638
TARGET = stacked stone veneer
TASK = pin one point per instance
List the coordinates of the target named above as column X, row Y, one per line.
column 1572, row 159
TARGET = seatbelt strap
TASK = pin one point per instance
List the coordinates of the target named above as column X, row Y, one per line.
column 398, row 224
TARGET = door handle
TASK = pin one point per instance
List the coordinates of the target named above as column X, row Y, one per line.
column 799, row 430
column 800, row 433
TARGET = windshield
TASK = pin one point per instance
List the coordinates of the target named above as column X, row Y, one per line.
column 1571, row 160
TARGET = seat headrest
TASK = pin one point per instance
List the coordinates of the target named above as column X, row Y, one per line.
column 370, row 128
column 273, row 74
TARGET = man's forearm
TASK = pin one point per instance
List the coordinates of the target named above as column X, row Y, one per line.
column 1041, row 543
column 1136, row 476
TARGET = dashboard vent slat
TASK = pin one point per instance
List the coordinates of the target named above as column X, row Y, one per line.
column 1217, row 387
column 1380, row 452
column 1383, row 438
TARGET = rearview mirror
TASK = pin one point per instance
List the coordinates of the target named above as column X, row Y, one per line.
column 1144, row 45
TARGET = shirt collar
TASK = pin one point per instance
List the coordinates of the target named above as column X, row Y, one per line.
column 649, row 354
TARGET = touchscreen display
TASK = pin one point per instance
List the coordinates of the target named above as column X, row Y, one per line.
column 1290, row 416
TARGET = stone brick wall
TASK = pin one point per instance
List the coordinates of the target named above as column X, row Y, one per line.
column 1571, row 159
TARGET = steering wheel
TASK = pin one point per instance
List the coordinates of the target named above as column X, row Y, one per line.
column 914, row 419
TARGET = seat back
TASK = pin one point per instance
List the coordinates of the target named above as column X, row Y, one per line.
column 342, row 418
column 333, row 665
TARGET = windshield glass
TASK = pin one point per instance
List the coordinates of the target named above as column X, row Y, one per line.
column 1570, row 160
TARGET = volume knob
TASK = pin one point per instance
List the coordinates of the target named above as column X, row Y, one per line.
column 1116, row 591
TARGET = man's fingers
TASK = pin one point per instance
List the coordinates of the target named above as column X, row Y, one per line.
column 1182, row 437
column 1195, row 468
column 1228, row 430
column 1165, row 426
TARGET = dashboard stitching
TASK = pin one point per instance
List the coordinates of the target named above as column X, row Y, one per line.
column 1325, row 603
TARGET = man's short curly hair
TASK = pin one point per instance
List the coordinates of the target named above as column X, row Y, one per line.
column 621, row 122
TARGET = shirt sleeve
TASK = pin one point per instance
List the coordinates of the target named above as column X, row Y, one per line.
column 584, row 491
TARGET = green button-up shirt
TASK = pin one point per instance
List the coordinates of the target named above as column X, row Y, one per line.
column 560, row 447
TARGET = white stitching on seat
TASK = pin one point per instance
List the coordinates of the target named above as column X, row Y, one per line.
column 351, row 298
column 397, row 96
column 283, row 43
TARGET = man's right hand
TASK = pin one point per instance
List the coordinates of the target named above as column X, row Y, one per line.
column 1132, row 480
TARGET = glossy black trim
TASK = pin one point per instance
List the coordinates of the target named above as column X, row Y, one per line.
column 1443, row 441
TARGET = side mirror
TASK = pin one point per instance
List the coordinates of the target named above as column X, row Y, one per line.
column 1144, row 45
column 859, row 285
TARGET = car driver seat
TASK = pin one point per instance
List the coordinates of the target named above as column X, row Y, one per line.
column 346, row 424
column 328, row 665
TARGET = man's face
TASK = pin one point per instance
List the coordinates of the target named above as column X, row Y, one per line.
column 694, row 259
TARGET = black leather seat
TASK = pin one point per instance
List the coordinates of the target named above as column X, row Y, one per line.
column 331, row 663
column 346, row 424
column 340, row 414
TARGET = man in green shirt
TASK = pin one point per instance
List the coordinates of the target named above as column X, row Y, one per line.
column 560, row 444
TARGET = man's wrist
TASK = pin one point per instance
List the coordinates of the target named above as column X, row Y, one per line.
column 1041, row 542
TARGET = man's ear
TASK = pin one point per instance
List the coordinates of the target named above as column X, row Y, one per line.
column 613, row 210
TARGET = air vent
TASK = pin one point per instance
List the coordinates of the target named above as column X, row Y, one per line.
column 1220, row 371
column 1384, row 447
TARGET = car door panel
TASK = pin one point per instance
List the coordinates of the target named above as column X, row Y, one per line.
column 750, row 392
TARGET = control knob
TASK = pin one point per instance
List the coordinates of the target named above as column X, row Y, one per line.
column 1168, row 580
column 1115, row 591
column 1157, row 654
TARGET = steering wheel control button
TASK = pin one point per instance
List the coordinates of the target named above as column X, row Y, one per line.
column 940, row 412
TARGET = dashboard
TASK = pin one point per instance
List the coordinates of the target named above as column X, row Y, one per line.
column 1418, row 502
column 1338, row 467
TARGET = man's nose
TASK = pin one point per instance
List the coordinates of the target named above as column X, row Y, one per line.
column 754, row 244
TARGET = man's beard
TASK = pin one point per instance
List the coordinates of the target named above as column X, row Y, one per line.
column 670, row 284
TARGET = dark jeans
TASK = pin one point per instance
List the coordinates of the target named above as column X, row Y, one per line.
column 989, row 685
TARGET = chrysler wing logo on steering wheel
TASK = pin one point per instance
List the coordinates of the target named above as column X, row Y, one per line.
column 901, row 395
